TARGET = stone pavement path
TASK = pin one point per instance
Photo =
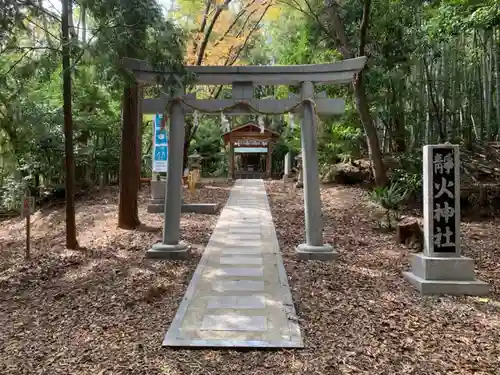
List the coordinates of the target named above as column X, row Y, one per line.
column 239, row 294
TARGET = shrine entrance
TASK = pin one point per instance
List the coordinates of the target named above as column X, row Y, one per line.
column 308, row 105
column 239, row 294
column 250, row 151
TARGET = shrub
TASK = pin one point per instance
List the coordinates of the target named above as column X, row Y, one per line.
column 390, row 198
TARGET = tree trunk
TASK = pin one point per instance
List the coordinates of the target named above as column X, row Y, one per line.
column 71, row 241
column 84, row 24
column 399, row 140
column 185, row 154
column 359, row 89
column 497, row 83
column 189, row 133
column 378, row 167
column 128, row 216
column 138, row 116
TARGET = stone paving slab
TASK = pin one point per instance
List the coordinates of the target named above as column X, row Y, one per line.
column 239, row 294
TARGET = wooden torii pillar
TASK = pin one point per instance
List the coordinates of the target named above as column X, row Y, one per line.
column 243, row 79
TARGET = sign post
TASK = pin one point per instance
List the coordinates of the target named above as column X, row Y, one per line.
column 27, row 209
column 441, row 269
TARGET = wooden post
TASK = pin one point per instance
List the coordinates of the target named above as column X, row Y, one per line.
column 27, row 203
column 231, row 160
column 269, row 164
column 28, row 236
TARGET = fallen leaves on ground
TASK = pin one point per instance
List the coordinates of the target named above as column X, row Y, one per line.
column 104, row 310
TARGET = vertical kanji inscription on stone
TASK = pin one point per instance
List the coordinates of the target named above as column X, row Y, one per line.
column 444, row 208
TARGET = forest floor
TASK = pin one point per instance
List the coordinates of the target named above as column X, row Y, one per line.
column 104, row 310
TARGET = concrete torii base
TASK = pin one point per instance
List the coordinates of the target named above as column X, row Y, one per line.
column 165, row 251
column 309, row 252
column 452, row 276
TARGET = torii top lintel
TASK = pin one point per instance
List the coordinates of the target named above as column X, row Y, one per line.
column 338, row 72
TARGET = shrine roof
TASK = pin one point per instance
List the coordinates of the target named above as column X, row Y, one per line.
column 251, row 127
column 250, row 130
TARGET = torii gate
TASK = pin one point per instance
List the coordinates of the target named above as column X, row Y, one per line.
column 243, row 80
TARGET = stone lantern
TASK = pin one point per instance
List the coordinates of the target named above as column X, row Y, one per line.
column 194, row 161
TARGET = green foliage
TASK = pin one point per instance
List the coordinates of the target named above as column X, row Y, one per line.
column 31, row 136
column 409, row 174
column 12, row 191
column 208, row 143
column 391, row 199
column 339, row 141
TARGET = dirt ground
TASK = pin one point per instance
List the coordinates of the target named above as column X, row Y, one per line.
column 104, row 309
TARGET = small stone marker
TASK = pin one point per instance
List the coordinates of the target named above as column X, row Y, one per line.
column 441, row 269
column 288, row 166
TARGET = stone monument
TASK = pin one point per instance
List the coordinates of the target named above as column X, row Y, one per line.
column 287, row 167
column 194, row 161
column 158, row 193
column 441, row 269
column 300, row 177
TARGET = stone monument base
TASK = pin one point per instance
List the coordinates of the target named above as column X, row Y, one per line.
column 164, row 251
column 447, row 275
column 309, row 252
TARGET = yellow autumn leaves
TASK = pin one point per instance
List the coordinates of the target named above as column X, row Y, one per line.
column 221, row 30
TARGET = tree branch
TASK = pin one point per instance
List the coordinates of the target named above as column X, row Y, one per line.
column 31, row 3
column 205, row 16
column 318, row 20
column 238, row 16
column 204, row 43
column 217, row 93
column 364, row 27
column 28, row 48
column 243, row 27
column 254, row 28
column 41, row 28
column 46, row 26
column 338, row 26
column 72, row 30
column 17, row 62
column 202, row 25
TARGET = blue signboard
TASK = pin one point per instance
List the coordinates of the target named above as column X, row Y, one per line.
column 161, row 137
column 160, row 143
column 250, row 150
column 161, row 153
